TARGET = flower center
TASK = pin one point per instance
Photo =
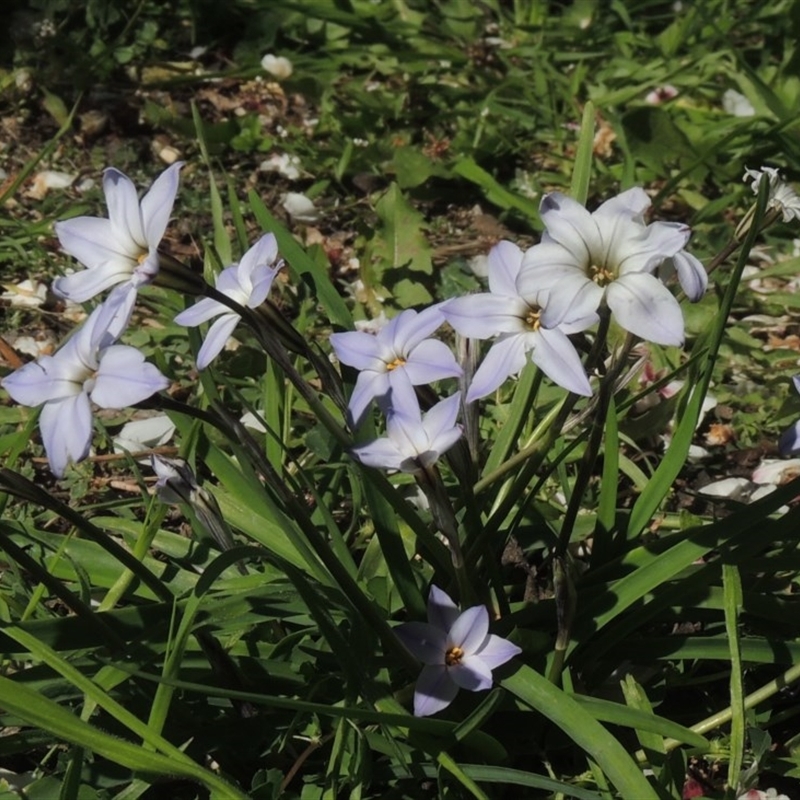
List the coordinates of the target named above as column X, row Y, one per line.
column 453, row 656
column 89, row 381
column 398, row 362
column 533, row 319
column 601, row 275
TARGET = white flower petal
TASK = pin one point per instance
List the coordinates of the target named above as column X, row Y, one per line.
column 430, row 361
column 556, row 356
column 359, row 350
column 216, row 338
column 369, row 384
column 263, row 277
column 471, row 674
column 435, row 691
column 380, row 454
column 66, row 428
column 631, row 203
column 506, row 357
column 49, row 379
column 262, row 253
column 647, row 250
column 441, row 417
column 692, row 275
column 496, row 651
column 85, row 284
column 470, row 630
column 505, row 260
column 570, row 225
column 481, row 316
column 643, row 305
column 142, row 434
column 424, row 641
column 442, row 611
column 202, row 311
column 156, row 206
column 116, row 313
column 409, row 328
column 91, row 241
column 125, row 378
column 123, row 210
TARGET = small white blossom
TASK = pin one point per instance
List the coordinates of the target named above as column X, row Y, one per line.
column 737, row 104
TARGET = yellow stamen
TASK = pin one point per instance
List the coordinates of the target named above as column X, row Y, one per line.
column 602, row 276
column 398, row 362
column 533, row 319
column 453, row 656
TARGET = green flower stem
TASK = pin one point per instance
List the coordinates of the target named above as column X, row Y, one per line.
column 430, row 481
column 566, row 603
column 275, row 348
column 586, row 469
column 545, row 432
column 140, row 549
column 551, row 427
column 235, row 431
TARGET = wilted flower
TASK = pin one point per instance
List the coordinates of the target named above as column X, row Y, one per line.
column 782, row 197
column 521, row 324
column 122, row 249
column 278, row 66
column 139, row 435
column 89, row 367
column 457, row 650
column 413, row 441
column 608, row 257
column 397, row 358
column 300, row 208
column 661, row 94
column 248, row 283
column 177, row 485
column 25, row 294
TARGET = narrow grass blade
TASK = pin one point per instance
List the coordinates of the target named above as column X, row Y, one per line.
column 732, row 588
column 579, row 725
column 447, row 763
column 582, row 171
column 42, row 713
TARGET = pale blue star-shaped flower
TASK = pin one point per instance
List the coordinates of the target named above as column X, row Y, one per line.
column 457, row 651
column 414, row 441
column 248, row 283
column 522, row 325
column 610, row 256
column 121, row 251
column 88, row 369
column 395, row 360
